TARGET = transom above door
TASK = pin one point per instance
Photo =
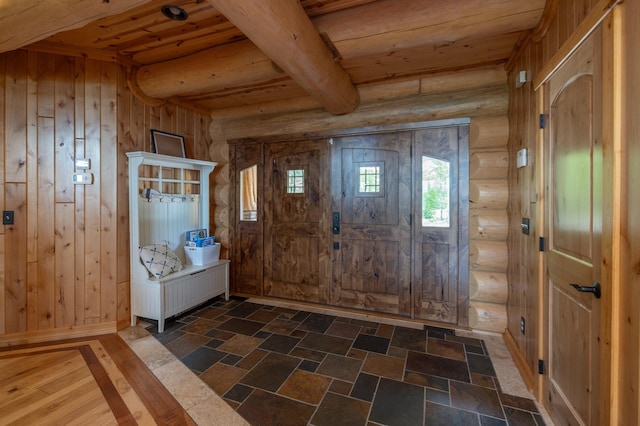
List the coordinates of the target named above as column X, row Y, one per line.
column 368, row 222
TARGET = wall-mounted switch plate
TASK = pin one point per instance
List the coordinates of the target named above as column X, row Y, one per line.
column 7, row 217
column 521, row 159
column 83, row 163
column 83, row 178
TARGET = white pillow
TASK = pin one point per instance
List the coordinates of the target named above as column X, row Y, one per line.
column 160, row 260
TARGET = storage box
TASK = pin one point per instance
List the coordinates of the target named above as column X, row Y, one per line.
column 202, row 255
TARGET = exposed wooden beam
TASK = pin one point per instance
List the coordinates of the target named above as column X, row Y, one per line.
column 229, row 65
column 23, row 22
column 283, row 31
column 398, row 25
column 473, row 102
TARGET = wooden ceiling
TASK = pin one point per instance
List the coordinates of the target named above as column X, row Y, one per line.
column 208, row 61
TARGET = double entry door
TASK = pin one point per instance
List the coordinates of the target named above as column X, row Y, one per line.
column 368, row 222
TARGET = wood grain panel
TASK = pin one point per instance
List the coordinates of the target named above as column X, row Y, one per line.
column 3, row 283
column 64, row 282
column 15, row 150
column 91, row 280
column 15, row 309
column 108, row 191
column 79, row 210
column 46, row 226
column 32, row 157
column 64, row 128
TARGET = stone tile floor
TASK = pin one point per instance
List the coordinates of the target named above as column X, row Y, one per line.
column 281, row 366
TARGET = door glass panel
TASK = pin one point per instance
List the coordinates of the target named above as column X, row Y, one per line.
column 295, row 181
column 435, row 192
column 249, row 193
column 370, row 179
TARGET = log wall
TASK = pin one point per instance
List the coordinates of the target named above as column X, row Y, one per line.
column 488, row 225
column 64, row 263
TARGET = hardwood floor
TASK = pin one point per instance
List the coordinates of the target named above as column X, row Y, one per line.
column 97, row 380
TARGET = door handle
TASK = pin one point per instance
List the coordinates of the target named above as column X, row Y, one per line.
column 595, row 289
column 335, row 225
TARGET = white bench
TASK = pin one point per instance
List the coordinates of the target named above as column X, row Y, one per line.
column 159, row 299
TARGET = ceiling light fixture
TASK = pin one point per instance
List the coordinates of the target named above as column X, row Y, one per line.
column 174, row 12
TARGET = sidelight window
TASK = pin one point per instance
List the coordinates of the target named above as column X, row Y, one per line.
column 249, row 193
column 435, row 192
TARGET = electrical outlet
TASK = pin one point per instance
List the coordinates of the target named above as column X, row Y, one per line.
column 522, row 325
column 7, row 217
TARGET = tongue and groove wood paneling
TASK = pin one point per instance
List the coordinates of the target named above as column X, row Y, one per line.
column 64, row 267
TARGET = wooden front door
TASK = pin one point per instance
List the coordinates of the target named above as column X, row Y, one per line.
column 371, row 207
column 573, row 223
column 441, row 217
column 296, row 234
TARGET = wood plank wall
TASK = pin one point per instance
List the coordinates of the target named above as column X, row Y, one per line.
column 64, row 263
column 523, row 250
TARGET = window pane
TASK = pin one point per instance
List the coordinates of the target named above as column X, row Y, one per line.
column 369, row 179
column 249, row 193
column 295, row 181
column 435, row 192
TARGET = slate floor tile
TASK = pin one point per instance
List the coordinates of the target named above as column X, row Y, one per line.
column 340, row 367
column 481, row 364
column 441, row 415
column 186, row 344
column 339, row 410
column 371, row 343
column 268, row 409
column 305, row 387
column 202, row 358
column 244, row 310
column 398, row 403
column 241, row 326
column 318, row 323
column 324, row 343
column 438, row 366
column 284, row 366
column 384, row 366
column 446, row 348
column 410, row 339
column 519, row 417
column 365, row 387
column 279, row 343
column 271, row 372
column 476, row 398
column 221, row 377
column 240, row 344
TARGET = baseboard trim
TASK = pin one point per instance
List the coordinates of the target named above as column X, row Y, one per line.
column 40, row 336
column 521, row 363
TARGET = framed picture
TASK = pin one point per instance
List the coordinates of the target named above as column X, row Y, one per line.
column 167, row 144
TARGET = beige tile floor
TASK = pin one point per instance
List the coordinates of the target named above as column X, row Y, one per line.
column 207, row 408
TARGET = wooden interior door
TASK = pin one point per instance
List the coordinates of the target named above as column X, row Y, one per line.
column 441, row 219
column 296, row 235
column 573, row 221
column 371, row 203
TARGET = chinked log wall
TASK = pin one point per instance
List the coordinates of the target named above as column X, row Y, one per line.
column 488, row 222
column 478, row 94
